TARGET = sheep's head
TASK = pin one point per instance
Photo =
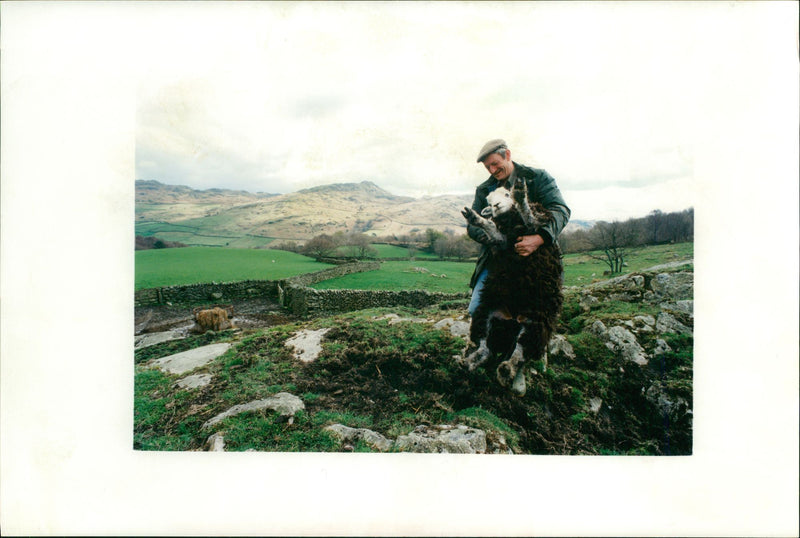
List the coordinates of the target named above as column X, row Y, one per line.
column 500, row 201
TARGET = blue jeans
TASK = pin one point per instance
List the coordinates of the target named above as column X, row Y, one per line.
column 476, row 292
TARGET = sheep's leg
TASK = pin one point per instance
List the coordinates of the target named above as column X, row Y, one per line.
column 493, row 234
column 511, row 373
column 535, row 337
column 520, row 193
column 477, row 351
column 502, row 337
column 531, row 346
column 491, row 334
column 475, row 355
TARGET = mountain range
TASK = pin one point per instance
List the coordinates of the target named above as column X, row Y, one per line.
column 176, row 212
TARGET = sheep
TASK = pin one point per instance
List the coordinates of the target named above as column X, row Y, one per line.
column 212, row 319
column 522, row 296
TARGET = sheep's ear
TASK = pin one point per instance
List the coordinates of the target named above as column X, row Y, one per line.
column 486, row 211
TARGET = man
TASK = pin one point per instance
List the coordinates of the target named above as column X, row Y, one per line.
column 542, row 188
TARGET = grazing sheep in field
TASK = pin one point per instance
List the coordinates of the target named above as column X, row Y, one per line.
column 522, row 296
column 212, row 319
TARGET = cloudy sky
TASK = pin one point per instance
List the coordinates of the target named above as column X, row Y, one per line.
column 614, row 100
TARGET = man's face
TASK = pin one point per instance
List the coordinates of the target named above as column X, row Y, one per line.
column 500, row 167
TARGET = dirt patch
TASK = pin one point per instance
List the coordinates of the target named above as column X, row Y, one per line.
column 248, row 314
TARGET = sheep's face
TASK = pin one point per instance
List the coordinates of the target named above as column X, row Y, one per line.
column 500, row 201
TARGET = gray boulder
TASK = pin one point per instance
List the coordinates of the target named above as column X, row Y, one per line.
column 644, row 323
column 457, row 327
column 560, row 348
column 349, row 435
column 666, row 323
column 661, row 348
column 675, row 286
column 307, row 344
column 458, row 439
column 192, row 382
column 598, row 328
column 587, row 301
column 186, row 361
column 682, row 308
column 624, row 343
column 151, row 339
column 283, row 403
column 215, row 443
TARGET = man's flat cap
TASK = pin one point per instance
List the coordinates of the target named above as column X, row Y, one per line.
column 489, row 147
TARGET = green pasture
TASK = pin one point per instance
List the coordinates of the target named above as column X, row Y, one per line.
column 392, row 251
column 382, row 251
column 447, row 277
column 193, row 265
column 196, row 236
column 167, row 267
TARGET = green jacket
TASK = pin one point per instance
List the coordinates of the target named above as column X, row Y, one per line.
column 542, row 188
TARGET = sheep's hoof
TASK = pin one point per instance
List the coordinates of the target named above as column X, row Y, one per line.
column 506, row 373
column 518, row 387
column 511, row 375
column 474, row 355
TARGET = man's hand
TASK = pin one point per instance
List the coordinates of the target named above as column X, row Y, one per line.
column 527, row 244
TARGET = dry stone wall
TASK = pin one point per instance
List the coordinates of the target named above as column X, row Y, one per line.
column 199, row 293
column 304, row 301
column 294, row 293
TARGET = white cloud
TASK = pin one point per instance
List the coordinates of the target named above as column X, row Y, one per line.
column 277, row 97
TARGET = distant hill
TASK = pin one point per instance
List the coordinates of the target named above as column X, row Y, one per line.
column 577, row 224
column 154, row 192
column 218, row 216
column 222, row 217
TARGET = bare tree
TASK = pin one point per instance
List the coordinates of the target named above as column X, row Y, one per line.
column 615, row 240
column 451, row 246
column 360, row 245
column 320, row 246
column 655, row 221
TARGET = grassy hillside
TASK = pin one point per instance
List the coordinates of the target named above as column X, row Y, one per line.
column 176, row 266
column 391, row 377
column 167, row 267
column 584, row 268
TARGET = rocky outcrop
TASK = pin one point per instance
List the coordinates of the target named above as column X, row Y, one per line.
column 186, row 361
column 283, row 403
column 350, row 436
column 623, row 343
column 458, row 439
column 560, row 348
column 215, row 443
column 193, row 382
column 307, row 345
column 151, row 339
column 651, row 285
column 667, row 323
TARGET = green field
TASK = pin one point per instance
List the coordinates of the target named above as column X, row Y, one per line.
column 579, row 269
column 425, row 275
column 193, row 236
column 168, row 267
column 192, row 265
column 392, row 251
